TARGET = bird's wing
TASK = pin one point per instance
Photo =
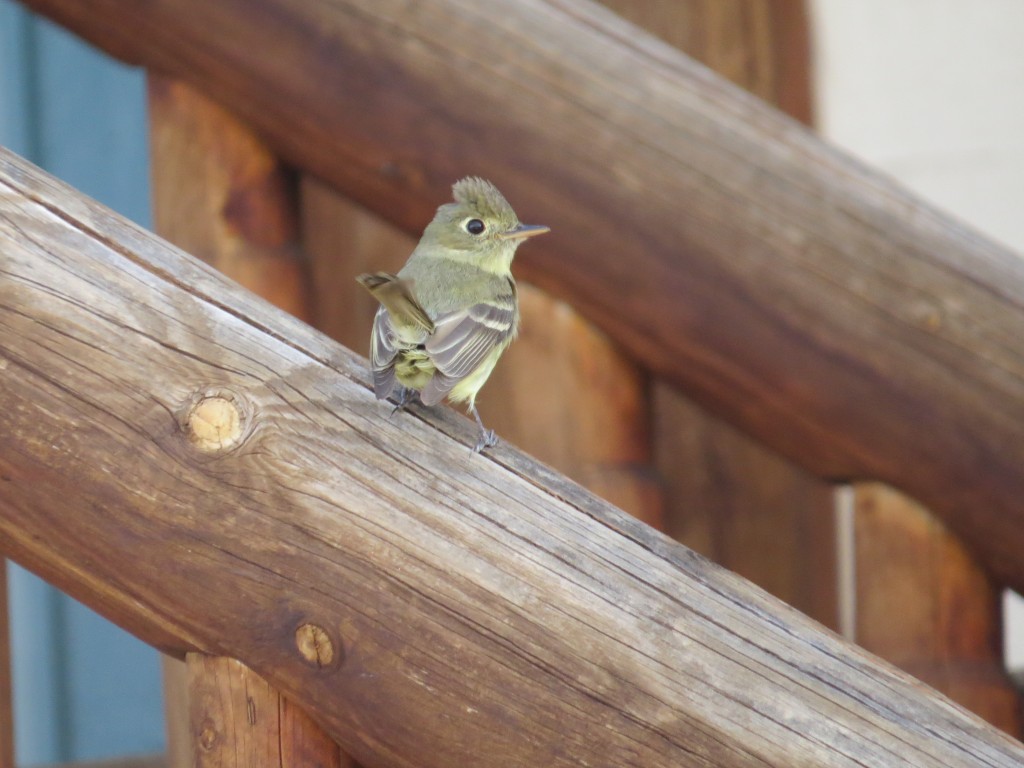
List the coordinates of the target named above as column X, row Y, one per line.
column 462, row 340
column 382, row 354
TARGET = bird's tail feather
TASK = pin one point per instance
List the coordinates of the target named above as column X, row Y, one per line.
column 398, row 299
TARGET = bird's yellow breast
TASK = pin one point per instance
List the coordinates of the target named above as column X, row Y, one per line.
column 467, row 389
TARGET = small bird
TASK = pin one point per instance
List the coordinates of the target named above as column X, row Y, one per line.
column 452, row 310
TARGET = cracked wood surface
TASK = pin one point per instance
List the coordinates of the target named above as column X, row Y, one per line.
column 478, row 609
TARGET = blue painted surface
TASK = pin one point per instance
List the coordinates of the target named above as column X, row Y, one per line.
column 83, row 688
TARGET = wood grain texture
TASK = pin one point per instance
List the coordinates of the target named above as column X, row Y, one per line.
column 926, row 605
column 239, row 721
column 471, row 609
column 220, row 193
column 763, row 46
column 567, row 394
column 727, row 496
column 6, row 691
column 811, row 301
column 747, row 508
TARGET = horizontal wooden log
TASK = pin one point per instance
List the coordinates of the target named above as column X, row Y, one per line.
column 213, row 475
column 812, row 302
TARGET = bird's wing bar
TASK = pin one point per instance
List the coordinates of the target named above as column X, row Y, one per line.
column 461, row 342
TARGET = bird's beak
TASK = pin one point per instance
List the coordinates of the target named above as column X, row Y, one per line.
column 522, row 231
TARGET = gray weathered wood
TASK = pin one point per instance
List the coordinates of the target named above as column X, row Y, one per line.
column 428, row 606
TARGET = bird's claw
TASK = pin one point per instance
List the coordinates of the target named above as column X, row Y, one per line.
column 487, row 440
column 405, row 397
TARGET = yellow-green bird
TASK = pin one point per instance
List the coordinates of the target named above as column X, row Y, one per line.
column 452, row 310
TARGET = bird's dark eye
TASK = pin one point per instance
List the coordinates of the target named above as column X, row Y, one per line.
column 475, row 227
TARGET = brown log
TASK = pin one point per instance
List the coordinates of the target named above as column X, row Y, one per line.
column 219, row 192
column 762, row 46
column 729, row 497
column 926, row 605
column 215, row 476
column 222, row 195
column 814, row 303
column 747, row 508
column 770, row 521
column 343, row 240
column 6, row 690
column 239, row 721
column 566, row 394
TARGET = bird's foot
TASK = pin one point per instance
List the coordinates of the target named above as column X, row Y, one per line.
column 405, row 396
column 487, row 437
column 486, row 440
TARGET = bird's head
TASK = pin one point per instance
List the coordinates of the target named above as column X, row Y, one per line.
column 479, row 226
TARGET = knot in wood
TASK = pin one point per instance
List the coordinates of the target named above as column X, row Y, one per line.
column 207, row 737
column 214, row 421
column 315, row 645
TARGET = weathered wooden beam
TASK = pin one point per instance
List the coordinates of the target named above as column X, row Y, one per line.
column 239, row 721
column 813, row 302
column 219, row 193
column 214, row 475
column 924, row 604
column 727, row 496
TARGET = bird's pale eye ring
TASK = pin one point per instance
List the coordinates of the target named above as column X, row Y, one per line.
column 474, row 226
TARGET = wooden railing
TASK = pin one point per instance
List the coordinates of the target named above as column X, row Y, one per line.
column 781, row 248
column 216, row 476
column 812, row 302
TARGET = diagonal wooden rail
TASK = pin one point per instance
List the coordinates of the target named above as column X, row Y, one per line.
column 812, row 302
column 214, row 475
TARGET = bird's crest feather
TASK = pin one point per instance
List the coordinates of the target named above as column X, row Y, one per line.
column 483, row 197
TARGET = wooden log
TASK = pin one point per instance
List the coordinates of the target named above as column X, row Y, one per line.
column 747, row 508
column 239, row 721
column 6, row 689
column 727, row 496
column 762, row 46
column 220, row 193
column 771, row 522
column 926, row 605
column 343, row 240
column 812, row 302
column 568, row 396
column 215, row 476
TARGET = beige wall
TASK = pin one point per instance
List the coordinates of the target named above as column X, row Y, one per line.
column 932, row 92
